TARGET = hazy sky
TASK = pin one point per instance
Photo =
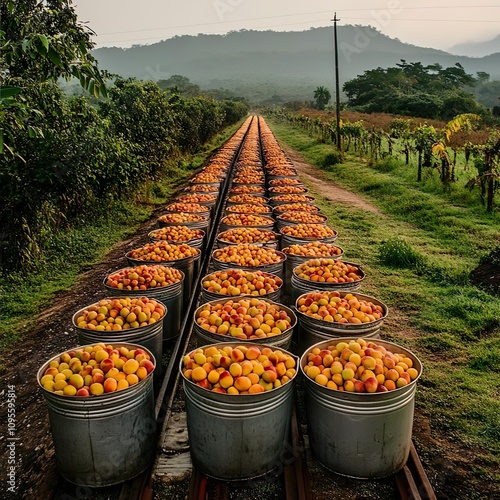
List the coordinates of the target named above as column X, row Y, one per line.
column 439, row 24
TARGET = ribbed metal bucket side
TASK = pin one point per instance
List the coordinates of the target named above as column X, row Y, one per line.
column 170, row 296
column 298, row 286
column 309, row 334
column 287, row 241
column 308, row 200
column 186, row 265
column 276, row 268
column 361, row 435
column 207, row 296
column 249, row 432
column 266, row 227
column 335, row 329
column 293, row 261
column 273, row 194
column 103, row 440
column 281, row 222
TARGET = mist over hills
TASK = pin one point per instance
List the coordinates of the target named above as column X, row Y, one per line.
column 477, row 49
column 279, row 66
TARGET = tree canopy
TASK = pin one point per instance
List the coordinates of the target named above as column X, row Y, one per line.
column 321, row 97
column 414, row 89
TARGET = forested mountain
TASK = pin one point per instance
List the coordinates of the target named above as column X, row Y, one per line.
column 277, row 66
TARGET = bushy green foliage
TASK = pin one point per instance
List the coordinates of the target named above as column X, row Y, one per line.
column 331, row 159
column 65, row 160
column 397, row 252
column 415, row 90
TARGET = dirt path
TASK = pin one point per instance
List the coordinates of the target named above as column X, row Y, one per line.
column 36, row 474
column 330, row 190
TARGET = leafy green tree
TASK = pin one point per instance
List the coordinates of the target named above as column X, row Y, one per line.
column 140, row 113
column 40, row 42
column 321, row 97
column 178, row 84
column 414, row 89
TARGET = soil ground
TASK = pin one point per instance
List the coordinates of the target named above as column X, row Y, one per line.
column 36, row 475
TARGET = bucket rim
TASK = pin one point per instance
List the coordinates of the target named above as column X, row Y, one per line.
column 343, row 326
column 175, row 242
column 106, row 395
column 359, row 266
column 118, row 297
column 355, row 395
column 233, row 345
column 265, row 273
column 138, row 262
column 225, row 299
column 334, row 257
column 183, row 277
column 281, row 219
column 279, row 252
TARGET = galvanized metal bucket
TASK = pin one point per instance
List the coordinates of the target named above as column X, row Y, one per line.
column 361, row 435
column 269, row 226
column 207, row 296
column 272, row 194
column 203, row 225
column 186, row 265
column 170, row 296
column 107, row 439
column 283, row 340
column 279, row 210
column 248, row 431
column 221, row 243
column 312, row 330
column 150, row 336
column 308, row 200
column 276, row 268
column 238, row 208
column 298, row 286
column 195, row 242
column 281, row 222
column 262, row 200
column 293, row 261
column 287, row 240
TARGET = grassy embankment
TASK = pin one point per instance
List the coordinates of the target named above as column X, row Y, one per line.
column 418, row 254
column 70, row 252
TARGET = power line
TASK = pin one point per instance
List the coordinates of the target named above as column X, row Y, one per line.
column 293, row 15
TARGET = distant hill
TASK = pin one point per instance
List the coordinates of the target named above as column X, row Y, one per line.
column 477, row 49
column 276, row 66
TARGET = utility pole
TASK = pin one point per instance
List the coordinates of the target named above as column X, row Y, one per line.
column 337, row 85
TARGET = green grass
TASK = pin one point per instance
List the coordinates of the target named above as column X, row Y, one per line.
column 417, row 255
column 68, row 253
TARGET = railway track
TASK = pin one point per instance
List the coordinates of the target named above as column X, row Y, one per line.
column 290, row 479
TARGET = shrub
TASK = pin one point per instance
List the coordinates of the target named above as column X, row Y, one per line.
column 397, row 252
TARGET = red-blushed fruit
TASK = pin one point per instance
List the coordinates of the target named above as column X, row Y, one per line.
column 106, row 364
column 203, row 383
column 226, row 379
column 148, row 364
column 270, row 374
column 371, row 384
column 382, row 388
column 359, row 386
column 83, row 392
